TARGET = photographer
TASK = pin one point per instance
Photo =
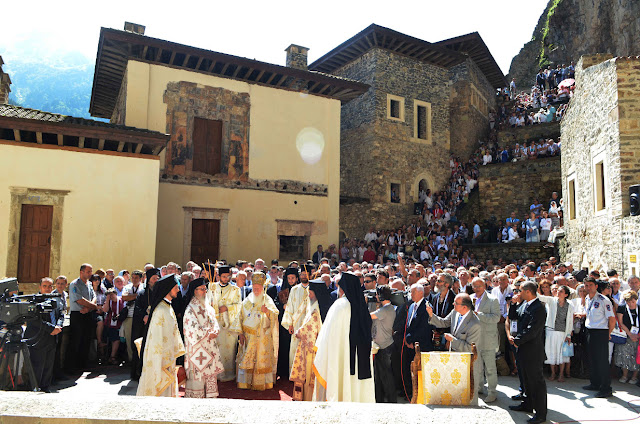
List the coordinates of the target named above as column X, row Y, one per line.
column 112, row 308
column 42, row 338
column 382, row 334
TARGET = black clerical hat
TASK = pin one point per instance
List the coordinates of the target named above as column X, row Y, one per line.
column 224, row 269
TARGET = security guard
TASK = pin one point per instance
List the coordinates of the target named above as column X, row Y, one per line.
column 600, row 323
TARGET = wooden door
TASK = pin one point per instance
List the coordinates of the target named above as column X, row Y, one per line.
column 205, row 240
column 34, row 251
column 207, row 146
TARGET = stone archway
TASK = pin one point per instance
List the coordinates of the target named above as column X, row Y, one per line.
column 423, row 179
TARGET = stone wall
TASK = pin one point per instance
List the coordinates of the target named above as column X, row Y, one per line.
column 471, row 98
column 505, row 187
column 509, row 137
column 601, row 124
column 377, row 151
column 511, row 251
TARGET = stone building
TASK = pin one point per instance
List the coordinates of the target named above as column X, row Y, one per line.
column 251, row 167
column 600, row 160
column 426, row 101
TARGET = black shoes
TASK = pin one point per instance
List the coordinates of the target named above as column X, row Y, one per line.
column 520, row 408
column 590, row 387
column 604, row 394
column 519, row 396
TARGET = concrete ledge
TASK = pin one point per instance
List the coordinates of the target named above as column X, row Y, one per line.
column 41, row 408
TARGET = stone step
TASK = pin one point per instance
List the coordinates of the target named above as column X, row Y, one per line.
column 509, row 137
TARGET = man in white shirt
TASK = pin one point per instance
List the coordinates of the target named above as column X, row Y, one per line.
column 371, row 236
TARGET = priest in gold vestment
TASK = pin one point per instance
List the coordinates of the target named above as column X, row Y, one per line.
column 257, row 326
column 163, row 344
column 302, row 375
column 225, row 299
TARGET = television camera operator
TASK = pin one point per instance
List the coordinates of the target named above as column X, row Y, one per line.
column 42, row 336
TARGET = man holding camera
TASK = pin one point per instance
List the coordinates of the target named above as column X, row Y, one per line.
column 42, row 348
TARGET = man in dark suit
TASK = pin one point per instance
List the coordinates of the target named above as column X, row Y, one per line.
column 466, row 330
column 43, row 336
column 417, row 329
column 529, row 340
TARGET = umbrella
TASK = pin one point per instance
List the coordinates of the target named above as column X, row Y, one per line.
column 567, row 83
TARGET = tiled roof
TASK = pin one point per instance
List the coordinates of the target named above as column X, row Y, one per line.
column 11, row 111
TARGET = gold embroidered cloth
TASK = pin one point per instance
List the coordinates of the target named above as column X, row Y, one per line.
column 446, row 378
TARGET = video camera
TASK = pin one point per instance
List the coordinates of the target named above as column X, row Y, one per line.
column 397, row 298
column 15, row 310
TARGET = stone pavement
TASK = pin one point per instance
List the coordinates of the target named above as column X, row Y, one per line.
column 567, row 403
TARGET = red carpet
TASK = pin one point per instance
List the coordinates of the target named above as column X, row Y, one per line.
column 229, row 390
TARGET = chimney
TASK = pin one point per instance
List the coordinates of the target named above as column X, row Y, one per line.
column 297, row 57
column 135, row 28
column 5, row 85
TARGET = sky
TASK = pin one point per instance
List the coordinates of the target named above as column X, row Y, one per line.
column 260, row 30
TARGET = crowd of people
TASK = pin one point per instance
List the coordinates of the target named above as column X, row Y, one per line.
column 255, row 324
column 544, row 148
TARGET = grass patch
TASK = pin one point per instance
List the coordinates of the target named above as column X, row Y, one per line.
column 543, row 60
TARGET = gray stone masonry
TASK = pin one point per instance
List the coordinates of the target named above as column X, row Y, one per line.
column 602, row 125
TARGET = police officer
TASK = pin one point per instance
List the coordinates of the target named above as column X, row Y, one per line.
column 600, row 323
column 42, row 349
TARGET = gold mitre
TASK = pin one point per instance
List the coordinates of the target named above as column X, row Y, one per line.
column 259, row 278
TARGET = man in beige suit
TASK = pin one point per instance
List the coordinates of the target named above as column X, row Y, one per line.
column 465, row 330
column 487, row 309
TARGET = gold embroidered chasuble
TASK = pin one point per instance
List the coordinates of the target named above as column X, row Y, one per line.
column 258, row 357
column 294, row 314
column 230, row 297
column 164, row 345
column 302, row 370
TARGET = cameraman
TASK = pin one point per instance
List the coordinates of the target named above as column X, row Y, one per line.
column 382, row 334
column 42, row 336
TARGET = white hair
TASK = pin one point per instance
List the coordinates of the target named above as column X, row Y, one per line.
column 418, row 287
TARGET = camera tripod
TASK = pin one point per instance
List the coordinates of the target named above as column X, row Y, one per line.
column 14, row 356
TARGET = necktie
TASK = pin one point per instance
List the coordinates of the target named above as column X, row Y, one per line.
column 458, row 323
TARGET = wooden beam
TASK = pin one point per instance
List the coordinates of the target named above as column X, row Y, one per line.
column 186, row 60
column 101, row 144
column 210, row 68
column 80, row 130
column 138, row 147
column 259, row 75
column 173, row 56
column 199, row 62
column 235, row 73
column 158, row 54
column 281, row 81
column 81, row 142
column 157, row 150
column 402, row 43
column 144, row 52
column 248, row 74
column 16, row 135
column 60, row 140
column 271, row 78
column 39, row 137
column 120, row 146
column 224, row 68
column 375, row 38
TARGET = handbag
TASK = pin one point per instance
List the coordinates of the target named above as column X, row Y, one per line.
column 567, row 349
column 617, row 335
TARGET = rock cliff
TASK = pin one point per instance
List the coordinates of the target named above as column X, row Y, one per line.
column 568, row 29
